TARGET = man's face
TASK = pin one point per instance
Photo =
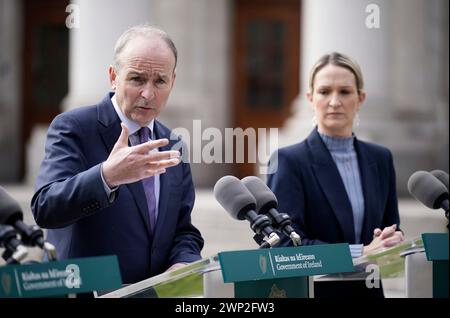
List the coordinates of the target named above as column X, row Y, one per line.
column 144, row 78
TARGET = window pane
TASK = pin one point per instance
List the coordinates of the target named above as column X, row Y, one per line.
column 50, row 67
column 264, row 63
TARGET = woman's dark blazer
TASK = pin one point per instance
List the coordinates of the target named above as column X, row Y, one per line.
column 308, row 186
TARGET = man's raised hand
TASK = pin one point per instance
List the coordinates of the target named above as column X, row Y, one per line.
column 127, row 164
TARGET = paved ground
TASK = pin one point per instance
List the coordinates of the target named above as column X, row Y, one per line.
column 222, row 233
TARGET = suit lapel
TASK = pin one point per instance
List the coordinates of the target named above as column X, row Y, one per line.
column 332, row 186
column 110, row 131
column 110, row 123
column 370, row 186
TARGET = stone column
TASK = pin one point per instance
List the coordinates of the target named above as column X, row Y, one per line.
column 92, row 45
column 200, row 30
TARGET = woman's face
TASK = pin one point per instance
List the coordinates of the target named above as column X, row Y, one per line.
column 335, row 100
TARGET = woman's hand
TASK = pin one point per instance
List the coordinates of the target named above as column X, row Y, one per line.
column 384, row 238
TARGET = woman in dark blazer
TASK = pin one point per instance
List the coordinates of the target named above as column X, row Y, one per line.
column 335, row 187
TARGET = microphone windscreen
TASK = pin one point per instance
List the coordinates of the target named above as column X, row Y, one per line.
column 426, row 188
column 265, row 198
column 10, row 210
column 441, row 176
column 234, row 197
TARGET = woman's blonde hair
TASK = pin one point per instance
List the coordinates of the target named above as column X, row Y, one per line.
column 341, row 60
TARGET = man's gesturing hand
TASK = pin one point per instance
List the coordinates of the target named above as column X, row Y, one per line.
column 127, row 164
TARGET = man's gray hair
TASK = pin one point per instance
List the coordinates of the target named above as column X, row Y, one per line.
column 145, row 31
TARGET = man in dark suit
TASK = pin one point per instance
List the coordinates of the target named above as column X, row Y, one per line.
column 109, row 182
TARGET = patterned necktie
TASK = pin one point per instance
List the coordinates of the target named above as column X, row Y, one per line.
column 149, row 183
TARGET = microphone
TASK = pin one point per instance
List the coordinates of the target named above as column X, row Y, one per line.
column 267, row 204
column 31, row 235
column 427, row 189
column 14, row 250
column 442, row 176
column 234, row 197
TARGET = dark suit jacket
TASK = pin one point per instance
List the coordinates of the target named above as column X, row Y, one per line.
column 71, row 202
column 309, row 188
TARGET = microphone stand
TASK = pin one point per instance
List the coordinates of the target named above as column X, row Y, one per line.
column 50, row 249
column 448, row 221
column 445, row 207
column 259, row 239
column 261, row 225
column 282, row 222
column 14, row 257
column 14, row 251
column 271, row 241
column 32, row 236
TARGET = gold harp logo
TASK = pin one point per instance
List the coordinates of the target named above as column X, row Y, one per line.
column 275, row 292
column 263, row 263
column 6, row 283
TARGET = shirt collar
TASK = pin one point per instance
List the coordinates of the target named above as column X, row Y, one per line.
column 132, row 126
column 338, row 143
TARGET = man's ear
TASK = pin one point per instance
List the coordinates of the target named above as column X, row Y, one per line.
column 112, row 77
column 174, row 76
